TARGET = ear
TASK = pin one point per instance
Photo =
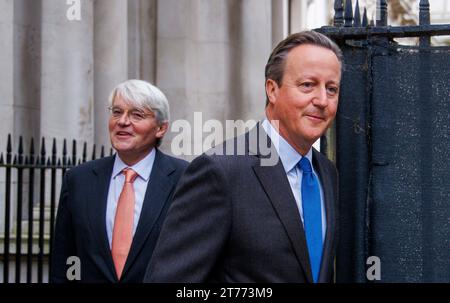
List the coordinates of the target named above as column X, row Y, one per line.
column 162, row 129
column 272, row 90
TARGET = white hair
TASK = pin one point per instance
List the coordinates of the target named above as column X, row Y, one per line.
column 142, row 94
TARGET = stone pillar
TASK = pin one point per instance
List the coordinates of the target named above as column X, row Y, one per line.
column 193, row 62
column 27, row 70
column 6, row 88
column 6, row 68
column 254, row 43
column 210, row 60
column 318, row 14
column 110, row 59
column 280, row 22
column 142, row 40
column 176, row 69
column 307, row 15
column 67, row 72
column 298, row 13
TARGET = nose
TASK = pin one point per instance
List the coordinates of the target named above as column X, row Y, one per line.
column 321, row 98
column 124, row 119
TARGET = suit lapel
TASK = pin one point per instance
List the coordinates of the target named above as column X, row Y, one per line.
column 280, row 195
column 97, row 212
column 158, row 190
column 327, row 188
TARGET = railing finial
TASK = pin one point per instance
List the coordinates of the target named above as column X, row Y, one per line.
column 365, row 22
column 84, row 155
column 424, row 19
column 348, row 16
column 357, row 19
column 382, row 13
column 338, row 13
column 424, row 12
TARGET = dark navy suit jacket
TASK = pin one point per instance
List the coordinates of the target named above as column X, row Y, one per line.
column 234, row 219
column 81, row 220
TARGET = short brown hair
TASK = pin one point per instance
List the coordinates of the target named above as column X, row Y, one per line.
column 277, row 60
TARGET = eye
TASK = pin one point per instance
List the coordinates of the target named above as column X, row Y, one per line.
column 307, row 84
column 116, row 112
column 137, row 115
column 332, row 90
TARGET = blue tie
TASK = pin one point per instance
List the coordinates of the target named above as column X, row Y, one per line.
column 312, row 216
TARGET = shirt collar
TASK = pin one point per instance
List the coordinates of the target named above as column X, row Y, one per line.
column 288, row 155
column 143, row 167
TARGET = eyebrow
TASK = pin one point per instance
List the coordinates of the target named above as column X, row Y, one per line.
column 131, row 109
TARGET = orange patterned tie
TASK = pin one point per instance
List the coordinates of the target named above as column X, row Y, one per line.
column 123, row 223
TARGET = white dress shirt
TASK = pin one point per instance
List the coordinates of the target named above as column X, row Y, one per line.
column 143, row 169
column 289, row 158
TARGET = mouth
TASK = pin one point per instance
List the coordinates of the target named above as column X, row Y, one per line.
column 315, row 117
column 123, row 134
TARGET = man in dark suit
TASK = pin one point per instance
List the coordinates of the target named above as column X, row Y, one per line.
column 111, row 210
column 263, row 207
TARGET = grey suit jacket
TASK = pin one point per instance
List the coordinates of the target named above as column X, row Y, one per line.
column 235, row 220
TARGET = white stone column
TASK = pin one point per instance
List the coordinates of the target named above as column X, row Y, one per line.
column 298, row 13
column 210, row 59
column 110, row 59
column 6, row 89
column 193, row 62
column 176, row 70
column 318, row 14
column 67, row 72
column 308, row 15
column 255, row 44
column 142, row 40
column 7, row 73
column 27, row 70
column 280, row 22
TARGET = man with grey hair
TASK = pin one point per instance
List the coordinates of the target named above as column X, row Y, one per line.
column 234, row 219
column 111, row 210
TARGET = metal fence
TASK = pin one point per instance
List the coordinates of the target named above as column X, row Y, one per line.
column 392, row 147
column 32, row 183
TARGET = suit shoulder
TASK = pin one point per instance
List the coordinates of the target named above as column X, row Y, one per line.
column 88, row 166
column 177, row 162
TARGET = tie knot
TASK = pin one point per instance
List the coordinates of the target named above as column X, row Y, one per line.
column 305, row 165
column 130, row 175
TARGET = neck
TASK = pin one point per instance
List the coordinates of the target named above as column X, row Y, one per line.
column 132, row 159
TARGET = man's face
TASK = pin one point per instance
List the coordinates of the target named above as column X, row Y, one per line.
column 133, row 138
column 306, row 102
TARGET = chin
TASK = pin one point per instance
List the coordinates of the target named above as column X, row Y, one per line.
column 122, row 147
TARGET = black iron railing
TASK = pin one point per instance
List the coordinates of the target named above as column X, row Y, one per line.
column 392, row 144
column 39, row 176
column 349, row 25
